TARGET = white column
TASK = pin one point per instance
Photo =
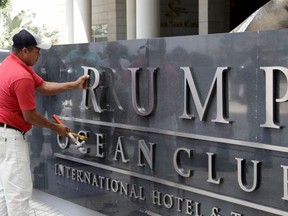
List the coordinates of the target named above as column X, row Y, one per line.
column 147, row 18
column 69, row 20
column 203, row 17
column 131, row 19
column 82, row 21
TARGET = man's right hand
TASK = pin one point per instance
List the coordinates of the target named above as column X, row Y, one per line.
column 62, row 130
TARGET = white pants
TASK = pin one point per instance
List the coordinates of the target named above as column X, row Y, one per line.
column 15, row 174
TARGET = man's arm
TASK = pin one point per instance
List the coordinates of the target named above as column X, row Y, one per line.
column 53, row 88
column 35, row 118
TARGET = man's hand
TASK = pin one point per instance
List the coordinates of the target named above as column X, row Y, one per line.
column 62, row 130
column 82, row 81
column 53, row 88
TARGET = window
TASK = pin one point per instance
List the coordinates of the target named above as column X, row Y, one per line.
column 99, row 32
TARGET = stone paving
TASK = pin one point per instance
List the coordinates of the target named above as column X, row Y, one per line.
column 42, row 209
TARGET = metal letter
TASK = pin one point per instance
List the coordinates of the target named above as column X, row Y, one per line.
column 179, row 201
column 120, row 150
column 91, row 89
column 99, row 145
column 148, row 154
column 140, row 110
column 211, row 171
column 176, row 162
column 189, row 80
column 197, row 209
column 285, row 182
column 241, row 178
column 270, row 95
column 168, row 201
column 156, row 197
column 189, row 207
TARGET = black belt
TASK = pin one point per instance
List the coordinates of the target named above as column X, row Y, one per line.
column 8, row 126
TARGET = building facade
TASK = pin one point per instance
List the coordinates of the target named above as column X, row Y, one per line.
column 79, row 21
column 120, row 19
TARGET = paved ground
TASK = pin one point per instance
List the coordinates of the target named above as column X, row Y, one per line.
column 42, row 209
column 43, row 204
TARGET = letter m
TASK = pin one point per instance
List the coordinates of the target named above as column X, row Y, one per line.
column 217, row 84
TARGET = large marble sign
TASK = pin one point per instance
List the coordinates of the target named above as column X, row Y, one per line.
column 193, row 125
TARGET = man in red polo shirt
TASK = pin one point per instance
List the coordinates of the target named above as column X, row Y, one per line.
column 18, row 114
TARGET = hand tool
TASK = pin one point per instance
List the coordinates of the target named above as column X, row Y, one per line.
column 81, row 137
column 70, row 134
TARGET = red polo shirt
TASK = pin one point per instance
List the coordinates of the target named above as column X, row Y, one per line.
column 17, row 91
